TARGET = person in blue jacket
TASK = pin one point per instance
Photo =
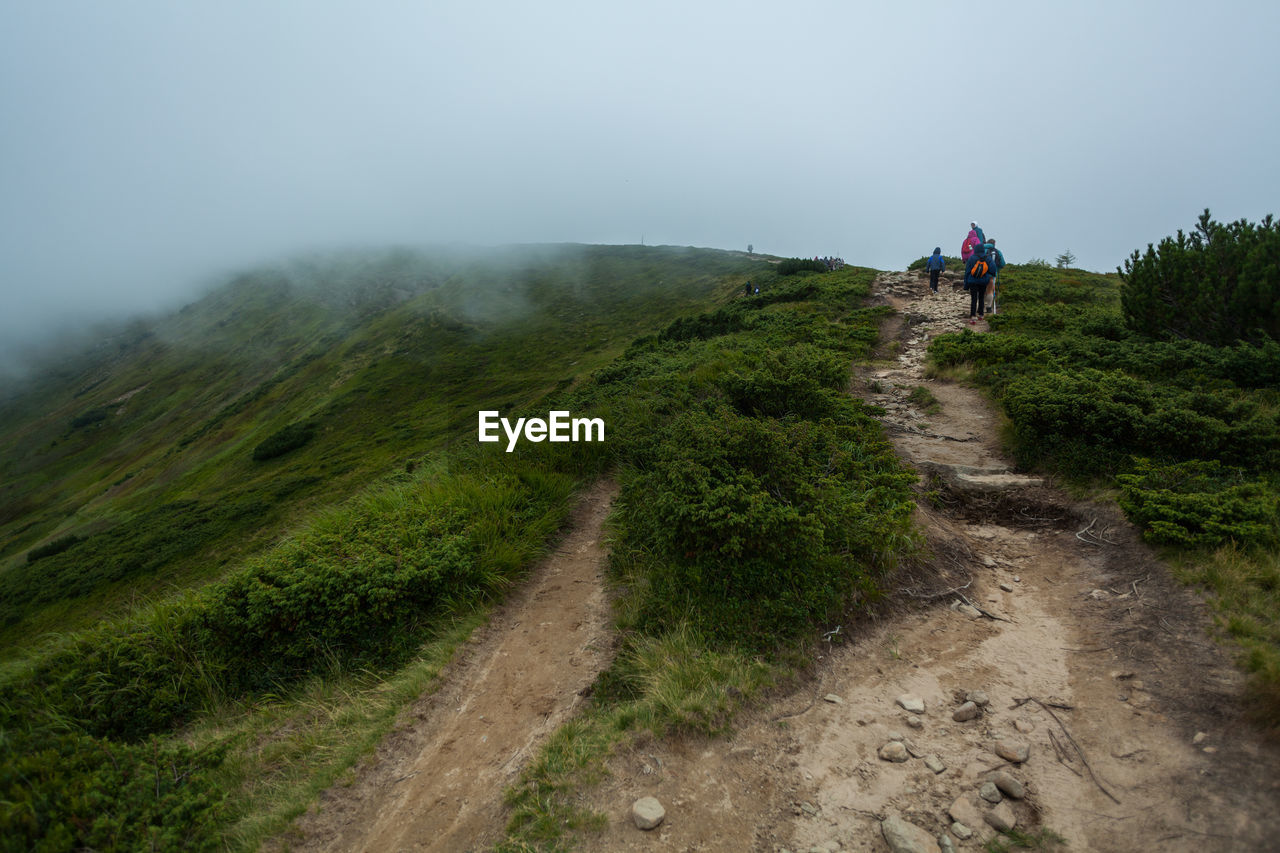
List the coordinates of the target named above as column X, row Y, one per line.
column 935, row 265
column 977, row 274
column 996, row 259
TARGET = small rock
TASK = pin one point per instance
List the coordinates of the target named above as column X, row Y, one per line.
column 934, row 763
column 965, row 811
column 988, row 561
column 945, row 844
column 1017, row 579
column 977, row 697
column 969, row 610
column 1024, row 726
column 915, row 722
column 1001, row 818
column 1006, row 587
column 895, row 735
column 913, row 750
column 1013, row 750
column 904, row 837
column 959, row 830
column 911, row 703
column 833, row 699
column 990, row 792
column 1210, row 750
column 647, row 813
column 894, row 751
column 966, row 712
column 1006, row 782
column 809, row 809
column 1199, row 738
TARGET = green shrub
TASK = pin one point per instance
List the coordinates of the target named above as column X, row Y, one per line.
column 282, row 441
column 791, row 266
column 1200, row 504
column 1219, row 284
column 69, row 791
column 758, row 528
column 57, row 546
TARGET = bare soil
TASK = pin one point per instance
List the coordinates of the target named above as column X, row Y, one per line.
column 437, row 782
column 1086, row 648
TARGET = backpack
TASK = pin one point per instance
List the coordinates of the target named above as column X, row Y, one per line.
column 979, row 269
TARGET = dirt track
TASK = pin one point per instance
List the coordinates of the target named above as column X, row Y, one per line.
column 1088, row 653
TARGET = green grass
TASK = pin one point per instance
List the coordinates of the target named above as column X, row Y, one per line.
column 261, row 621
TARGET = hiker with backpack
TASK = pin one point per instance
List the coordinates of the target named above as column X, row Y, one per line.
column 977, row 274
column 935, row 265
column 996, row 259
column 972, row 241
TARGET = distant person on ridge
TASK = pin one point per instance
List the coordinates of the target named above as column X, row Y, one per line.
column 996, row 259
column 977, row 273
column 935, row 265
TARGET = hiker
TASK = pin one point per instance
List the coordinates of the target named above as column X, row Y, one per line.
column 977, row 273
column 746, row 291
column 996, row 259
column 935, row 265
column 972, row 241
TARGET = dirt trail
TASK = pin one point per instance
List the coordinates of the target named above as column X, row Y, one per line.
column 1133, row 732
column 438, row 783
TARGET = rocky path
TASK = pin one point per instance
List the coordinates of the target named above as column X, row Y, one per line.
column 1043, row 672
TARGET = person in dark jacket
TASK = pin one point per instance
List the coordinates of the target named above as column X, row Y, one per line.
column 996, row 259
column 935, row 265
column 977, row 274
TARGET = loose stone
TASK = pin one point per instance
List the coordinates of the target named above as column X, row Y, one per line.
column 934, row 763
column 959, row 830
column 833, row 699
column 905, row 837
column 1007, row 784
column 915, row 722
column 1001, row 818
column 1024, row 726
column 966, row 712
column 1013, row 750
column 990, row 793
column 911, row 703
column 647, row 813
column 894, row 751
column 977, row 697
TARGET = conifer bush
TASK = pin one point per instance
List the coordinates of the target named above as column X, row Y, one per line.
column 1219, row 284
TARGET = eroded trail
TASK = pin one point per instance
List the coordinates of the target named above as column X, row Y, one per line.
column 1080, row 649
column 438, row 783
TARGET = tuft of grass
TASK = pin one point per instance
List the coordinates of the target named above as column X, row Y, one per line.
column 924, row 399
column 657, row 686
column 1244, row 587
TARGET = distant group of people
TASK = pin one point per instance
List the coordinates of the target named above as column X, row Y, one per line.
column 982, row 263
column 833, row 264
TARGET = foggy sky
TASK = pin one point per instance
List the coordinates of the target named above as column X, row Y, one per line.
column 147, row 148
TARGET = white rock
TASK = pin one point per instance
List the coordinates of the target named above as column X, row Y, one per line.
column 911, row 703
column 647, row 813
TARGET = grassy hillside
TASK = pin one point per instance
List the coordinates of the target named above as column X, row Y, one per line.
column 261, row 525
column 166, row 455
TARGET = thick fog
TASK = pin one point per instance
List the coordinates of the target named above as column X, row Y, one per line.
column 150, row 147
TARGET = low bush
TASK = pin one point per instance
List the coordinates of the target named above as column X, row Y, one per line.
column 1200, row 504
column 282, row 441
